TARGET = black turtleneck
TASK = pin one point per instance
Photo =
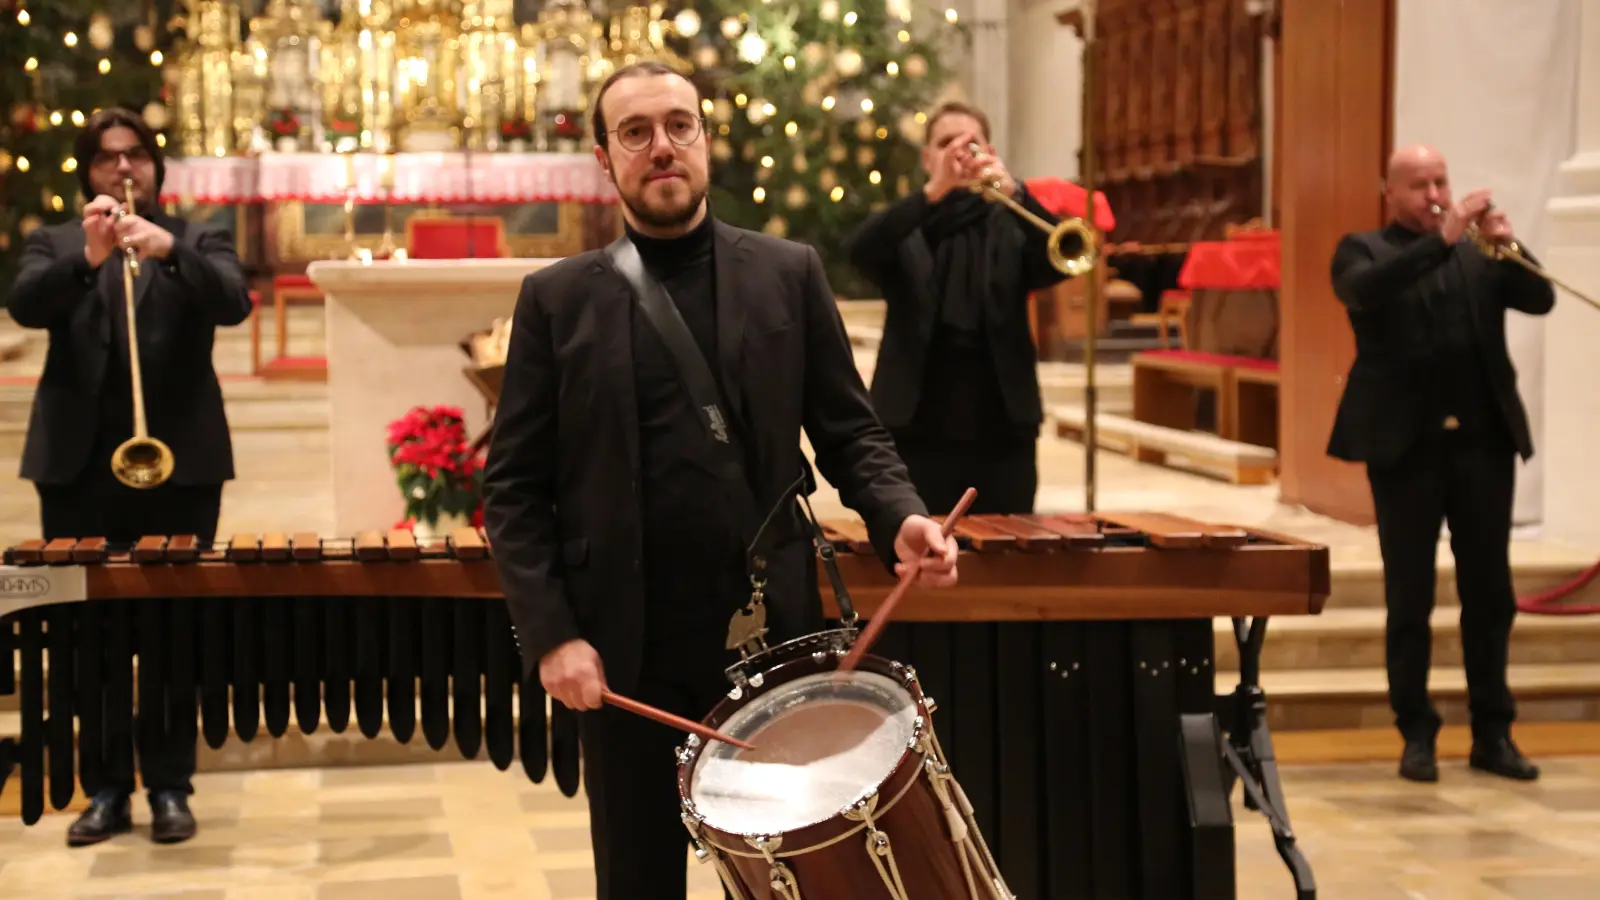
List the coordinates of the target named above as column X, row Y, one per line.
column 1459, row 383
column 694, row 564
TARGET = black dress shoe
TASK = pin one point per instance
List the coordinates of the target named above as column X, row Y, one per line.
column 1498, row 756
column 171, row 823
column 106, row 816
column 1418, row 763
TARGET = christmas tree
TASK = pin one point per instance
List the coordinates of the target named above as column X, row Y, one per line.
column 816, row 114
column 60, row 60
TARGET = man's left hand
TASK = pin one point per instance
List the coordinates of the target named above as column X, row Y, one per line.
column 991, row 169
column 1496, row 227
column 921, row 545
column 148, row 239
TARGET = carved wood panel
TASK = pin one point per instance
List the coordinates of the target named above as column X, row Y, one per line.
column 1176, row 117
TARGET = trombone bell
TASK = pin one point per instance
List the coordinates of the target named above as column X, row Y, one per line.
column 142, row 462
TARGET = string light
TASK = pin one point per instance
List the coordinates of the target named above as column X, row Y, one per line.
column 30, row 65
column 156, row 57
column 836, row 194
column 71, row 39
column 22, row 164
column 105, row 66
column 950, row 16
column 22, row 18
column 759, row 195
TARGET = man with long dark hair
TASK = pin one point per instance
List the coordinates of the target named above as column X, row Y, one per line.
column 642, row 436
column 71, row 285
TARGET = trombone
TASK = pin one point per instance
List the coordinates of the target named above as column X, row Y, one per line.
column 1512, row 252
column 141, row 461
column 1085, row 251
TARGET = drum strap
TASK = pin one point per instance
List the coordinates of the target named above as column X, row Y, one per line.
column 723, row 427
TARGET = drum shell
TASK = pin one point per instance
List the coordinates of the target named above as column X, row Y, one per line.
column 830, row 859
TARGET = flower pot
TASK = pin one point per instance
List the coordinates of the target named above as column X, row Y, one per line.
column 517, row 145
column 441, row 528
column 287, row 145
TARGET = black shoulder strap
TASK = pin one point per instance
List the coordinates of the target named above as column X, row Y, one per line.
column 703, row 394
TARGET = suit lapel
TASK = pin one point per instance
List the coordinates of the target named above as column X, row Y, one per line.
column 731, row 262
column 612, row 306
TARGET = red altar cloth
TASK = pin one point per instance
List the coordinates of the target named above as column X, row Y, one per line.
column 1068, row 199
column 1248, row 261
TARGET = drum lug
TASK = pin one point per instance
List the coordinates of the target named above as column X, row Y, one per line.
column 930, row 703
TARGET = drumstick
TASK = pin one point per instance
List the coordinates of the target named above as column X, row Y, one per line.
column 666, row 718
column 881, row 617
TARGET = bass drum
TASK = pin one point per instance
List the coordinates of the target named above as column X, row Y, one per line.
column 847, row 793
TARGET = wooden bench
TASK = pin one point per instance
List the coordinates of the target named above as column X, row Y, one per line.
column 1246, row 391
column 1237, row 462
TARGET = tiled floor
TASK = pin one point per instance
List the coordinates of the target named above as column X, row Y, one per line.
column 467, row 831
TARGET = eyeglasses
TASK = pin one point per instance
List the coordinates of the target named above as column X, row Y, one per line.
column 637, row 133
column 107, row 159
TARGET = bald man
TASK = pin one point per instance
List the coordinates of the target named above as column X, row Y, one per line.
column 1431, row 407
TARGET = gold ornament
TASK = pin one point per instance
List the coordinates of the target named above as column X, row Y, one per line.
column 799, row 163
column 865, row 128
column 848, row 62
column 836, row 152
column 827, row 179
column 100, row 31
column 144, row 38
column 813, row 53
column 795, row 197
column 29, row 224
column 776, row 227
column 156, row 116
column 916, row 66
column 721, row 150
column 706, row 57
column 865, row 157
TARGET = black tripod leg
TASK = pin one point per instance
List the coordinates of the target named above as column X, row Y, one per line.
column 8, row 761
column 1250, row 754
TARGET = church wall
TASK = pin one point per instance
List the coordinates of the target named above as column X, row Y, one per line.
column 1046, row 86
column 1570, row 248
column 1495, row 94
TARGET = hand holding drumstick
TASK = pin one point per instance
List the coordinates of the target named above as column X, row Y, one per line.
column 909, row 572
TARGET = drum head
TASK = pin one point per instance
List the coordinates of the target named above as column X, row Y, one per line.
column 822, row 743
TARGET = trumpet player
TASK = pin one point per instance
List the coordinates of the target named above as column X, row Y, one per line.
column 71, row 285
column 956, row 379
column 1431, row 407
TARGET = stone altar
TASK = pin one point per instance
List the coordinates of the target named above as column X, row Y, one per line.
column 393, row 342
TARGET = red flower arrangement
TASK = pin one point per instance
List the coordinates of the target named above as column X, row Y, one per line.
column 434, row 465
column 284, row 123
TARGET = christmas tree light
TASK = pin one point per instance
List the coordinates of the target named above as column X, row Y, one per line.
column 816, row 112
column 61, row 60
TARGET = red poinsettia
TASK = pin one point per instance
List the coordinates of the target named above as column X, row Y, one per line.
column 434, row 465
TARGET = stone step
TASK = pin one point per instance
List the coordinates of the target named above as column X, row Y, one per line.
column 1354, row 638
column 1303, row 699
column 1361, row 585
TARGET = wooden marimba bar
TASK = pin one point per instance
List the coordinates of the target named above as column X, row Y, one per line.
column 1072, row 667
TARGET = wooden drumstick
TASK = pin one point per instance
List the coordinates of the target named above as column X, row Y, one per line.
column 666, row 718
column 882, row 616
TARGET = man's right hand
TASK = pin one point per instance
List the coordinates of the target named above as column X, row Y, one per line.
column 1458, row 217
column 572, row 674
column 99, row 230
column 950, row 168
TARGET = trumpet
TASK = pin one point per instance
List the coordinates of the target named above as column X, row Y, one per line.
column 1084, row 249
column 141, row 461
column 1511, row 251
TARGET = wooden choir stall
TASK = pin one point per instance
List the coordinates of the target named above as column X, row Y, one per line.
column 1079, row 701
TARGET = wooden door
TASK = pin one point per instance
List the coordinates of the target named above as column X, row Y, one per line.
column 1334, row 112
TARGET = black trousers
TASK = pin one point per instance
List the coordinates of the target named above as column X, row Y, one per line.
column 1469, row 481
column 630, row 774
column 100, row 506
column 1004, row 470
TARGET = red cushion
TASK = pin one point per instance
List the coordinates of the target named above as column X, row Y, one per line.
column 454, row 239
column 1220, row 360
column 284, row 281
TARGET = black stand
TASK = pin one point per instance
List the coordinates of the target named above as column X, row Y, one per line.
column 1249, row 754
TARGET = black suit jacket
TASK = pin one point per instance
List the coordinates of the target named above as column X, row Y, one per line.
column 561, row 491
column 1380, row 277
column 179, row 304
column 889, row 249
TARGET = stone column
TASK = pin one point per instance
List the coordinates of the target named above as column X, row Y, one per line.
column 1571, row 444
column 991, row 82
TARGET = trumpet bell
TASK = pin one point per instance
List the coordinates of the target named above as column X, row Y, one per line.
column 142, row 462
column 1071, row 248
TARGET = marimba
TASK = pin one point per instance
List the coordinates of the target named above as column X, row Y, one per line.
column 1072, row 666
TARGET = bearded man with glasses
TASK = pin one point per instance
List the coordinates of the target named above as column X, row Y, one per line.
column 189, row 283
column 646, row 458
